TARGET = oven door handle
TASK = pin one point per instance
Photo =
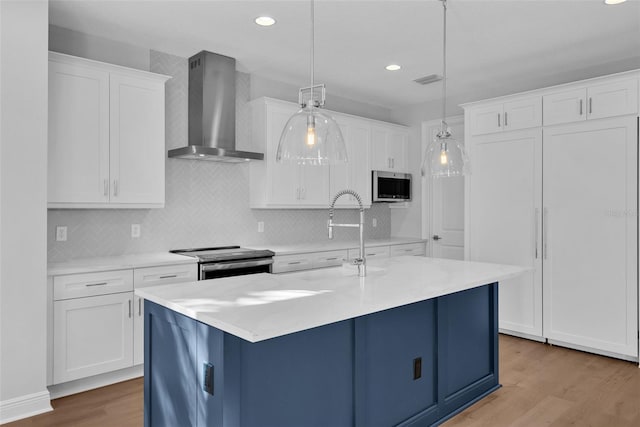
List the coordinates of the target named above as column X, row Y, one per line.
column 230, row 265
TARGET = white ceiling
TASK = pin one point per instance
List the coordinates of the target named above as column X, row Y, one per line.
column 501, row 46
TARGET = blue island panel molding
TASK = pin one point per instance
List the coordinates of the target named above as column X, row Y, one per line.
column 415, row 365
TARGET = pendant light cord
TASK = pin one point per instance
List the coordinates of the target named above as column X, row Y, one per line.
column 311, row 101
column 443, row 125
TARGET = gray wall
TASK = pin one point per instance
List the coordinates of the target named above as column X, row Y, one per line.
column 207, row 203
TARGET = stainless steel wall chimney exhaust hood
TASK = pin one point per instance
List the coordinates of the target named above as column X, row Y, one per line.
column 212, row 111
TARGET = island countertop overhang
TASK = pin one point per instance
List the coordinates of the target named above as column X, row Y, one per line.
column 264, row 306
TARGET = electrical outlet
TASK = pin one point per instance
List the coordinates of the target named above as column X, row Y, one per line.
column 61, row 233
column 260, row 226
column 374, row 222
column 135, row 231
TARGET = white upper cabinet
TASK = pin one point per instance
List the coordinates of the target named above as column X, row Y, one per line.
column 78, row 134
column 506, row 116
column 355, row 174
column 106, row 135
column 137, row 140
column 598, row 100
column 389, row 148
column 281, row 185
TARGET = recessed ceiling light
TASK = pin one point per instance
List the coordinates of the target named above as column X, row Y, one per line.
column 614, row 1
column 265, row 21
column 392, row 67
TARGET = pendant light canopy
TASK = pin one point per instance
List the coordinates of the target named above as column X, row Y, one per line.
column 311, row 137
column 445, row 156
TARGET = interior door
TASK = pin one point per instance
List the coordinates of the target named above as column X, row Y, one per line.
column 590, row 234
column 503, row 211
column 447, row 205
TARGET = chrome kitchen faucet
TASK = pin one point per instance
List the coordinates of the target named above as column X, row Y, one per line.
column 361, row 262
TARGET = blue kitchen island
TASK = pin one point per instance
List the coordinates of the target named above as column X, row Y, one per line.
column 411, row 344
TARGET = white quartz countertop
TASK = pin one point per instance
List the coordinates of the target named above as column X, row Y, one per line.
column 90, row 265
column 332, row 245
column 263, row 306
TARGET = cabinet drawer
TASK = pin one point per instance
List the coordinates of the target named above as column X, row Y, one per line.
column 329, row 258
column 152, row 276
column 286, row 263
column 376, row 252
column 90, row 284
column 417, row 249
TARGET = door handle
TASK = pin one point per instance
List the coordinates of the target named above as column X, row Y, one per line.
column 581, row 107
column 115, row 187
column 436, row 237
column 129, row 308
column 498, row 119
column 590, row 105
column 106, row 187
column 139, row 307
column 535, row 230
column 505, row 119
column 545, row 226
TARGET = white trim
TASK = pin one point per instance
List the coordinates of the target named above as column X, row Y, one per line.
column 592, row 350
column 24, row 406
column 522, row 335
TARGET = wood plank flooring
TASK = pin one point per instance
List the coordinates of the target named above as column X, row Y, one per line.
column 542, row 386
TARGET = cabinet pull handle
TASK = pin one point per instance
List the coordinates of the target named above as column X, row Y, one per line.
column 139, row 306
column 129, row 308
column 581, row 107
column 590, row 105
column 332, row 259
column 115, row 187
column 393, row 163
column 505, row 119
column 535, row 231
column 303, row 193
column 171, row 276
column 106, row 187
column 294, row 262
column 96, row 284
column 498, row 119
column 545, row 226
column 408, row 250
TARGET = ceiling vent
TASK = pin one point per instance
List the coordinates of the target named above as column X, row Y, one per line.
column 431, row 78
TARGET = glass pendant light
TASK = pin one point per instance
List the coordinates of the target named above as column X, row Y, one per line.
column 445, row 156
column 311, row 137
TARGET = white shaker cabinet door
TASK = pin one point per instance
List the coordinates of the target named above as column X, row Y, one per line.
column 137, row 140
column 590, row 229
column 284, row 181
column 78, row 144
column 503, row 211
column 92, row 335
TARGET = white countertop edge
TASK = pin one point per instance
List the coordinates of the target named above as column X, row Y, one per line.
column 330, row 245
column 123, row 262
column 281, row 330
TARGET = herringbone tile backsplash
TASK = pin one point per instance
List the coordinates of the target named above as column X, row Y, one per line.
column 207, row 203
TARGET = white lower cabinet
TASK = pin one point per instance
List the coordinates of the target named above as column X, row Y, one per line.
column 98, row 322
column 153, row 276
column 93, row 335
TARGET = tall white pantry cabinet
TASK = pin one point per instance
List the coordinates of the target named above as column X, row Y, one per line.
column 558, row 192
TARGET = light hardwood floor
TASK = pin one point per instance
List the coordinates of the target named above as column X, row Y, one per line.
column 542, row 386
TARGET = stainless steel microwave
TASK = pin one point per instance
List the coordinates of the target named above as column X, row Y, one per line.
column 390, row 186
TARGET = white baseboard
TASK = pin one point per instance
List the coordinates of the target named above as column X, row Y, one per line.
column 522, row 335
column 96, row 381
column 24, row 406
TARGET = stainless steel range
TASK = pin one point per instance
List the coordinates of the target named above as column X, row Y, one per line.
column 226, row 261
